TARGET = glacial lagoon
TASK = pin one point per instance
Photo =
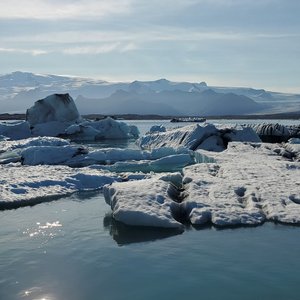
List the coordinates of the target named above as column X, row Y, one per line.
column 72, row 249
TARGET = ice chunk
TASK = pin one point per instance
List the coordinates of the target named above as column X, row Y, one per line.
column 205, row 136
column 272, row 133
column 51, row 155
column 171, row 163
column 242, row 134
column 52, row 129
column 212, row 143
column 28, row 185
column 142, row 203
column 157, row 128
column 294, row 141
column 107, row 128
column 15, row 130
column 56, row 107
column 11, row 150
column 247, row 184
column 113, row 155
column 189, row 136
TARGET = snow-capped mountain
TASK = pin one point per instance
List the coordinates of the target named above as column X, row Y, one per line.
column 18, row 90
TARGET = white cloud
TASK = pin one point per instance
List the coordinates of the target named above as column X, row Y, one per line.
column 34, row 52
column 47, row 9
column 100, row 49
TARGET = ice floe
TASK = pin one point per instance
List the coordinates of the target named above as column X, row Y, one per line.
column 107, row 128
column 145, row 202
column 205, row 136
column 28, row 185
column 246, row 184
column 15, row 130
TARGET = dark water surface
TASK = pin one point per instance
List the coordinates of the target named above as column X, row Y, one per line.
column 71, row 249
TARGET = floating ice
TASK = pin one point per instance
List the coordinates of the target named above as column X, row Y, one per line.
column 244, row 185
column 107, row 128
column 145, row 202
column 272, row 133
column 205, row 136
column 15, row 130
column 54, row 108
column 157, row 128
column 171, row 163
column 50, row 155
column 28, row 185
column 247, row 185
column 57, row 115
column 113, row 155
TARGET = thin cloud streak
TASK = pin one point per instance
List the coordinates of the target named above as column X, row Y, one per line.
column 145, row 35
column 106, row 48
column 53, row 10
column 33, row 52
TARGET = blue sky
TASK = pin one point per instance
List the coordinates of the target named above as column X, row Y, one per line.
column 223, row 42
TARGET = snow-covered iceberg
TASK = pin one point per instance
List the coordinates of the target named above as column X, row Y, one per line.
column 246, row 184
column 205, row 136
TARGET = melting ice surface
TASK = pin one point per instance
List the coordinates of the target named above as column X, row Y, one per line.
column 68, row 249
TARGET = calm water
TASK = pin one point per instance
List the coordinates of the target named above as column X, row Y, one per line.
column 72, row 249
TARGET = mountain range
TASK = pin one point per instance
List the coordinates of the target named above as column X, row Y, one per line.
column 19, row 90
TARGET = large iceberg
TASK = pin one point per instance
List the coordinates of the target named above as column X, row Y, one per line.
column 205, row 136
column 54, row 108
column 246, row 184
column 57, row 116
column 276, row 133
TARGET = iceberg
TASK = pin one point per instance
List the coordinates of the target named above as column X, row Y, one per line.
column 145, row 202
column 107, row 128
column 205, row 136
column 54, row 108
column 15, row 130
column 247, row 185
column 272, row 133
column 50, row 155
column 57, row 116
column 11, row 149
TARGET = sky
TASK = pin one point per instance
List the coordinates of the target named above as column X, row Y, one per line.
column 253, row 43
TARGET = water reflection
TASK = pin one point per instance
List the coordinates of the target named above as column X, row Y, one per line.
column 125, row 234
column 36, row 293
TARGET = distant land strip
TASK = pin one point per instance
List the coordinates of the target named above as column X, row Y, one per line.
column 278, row 116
